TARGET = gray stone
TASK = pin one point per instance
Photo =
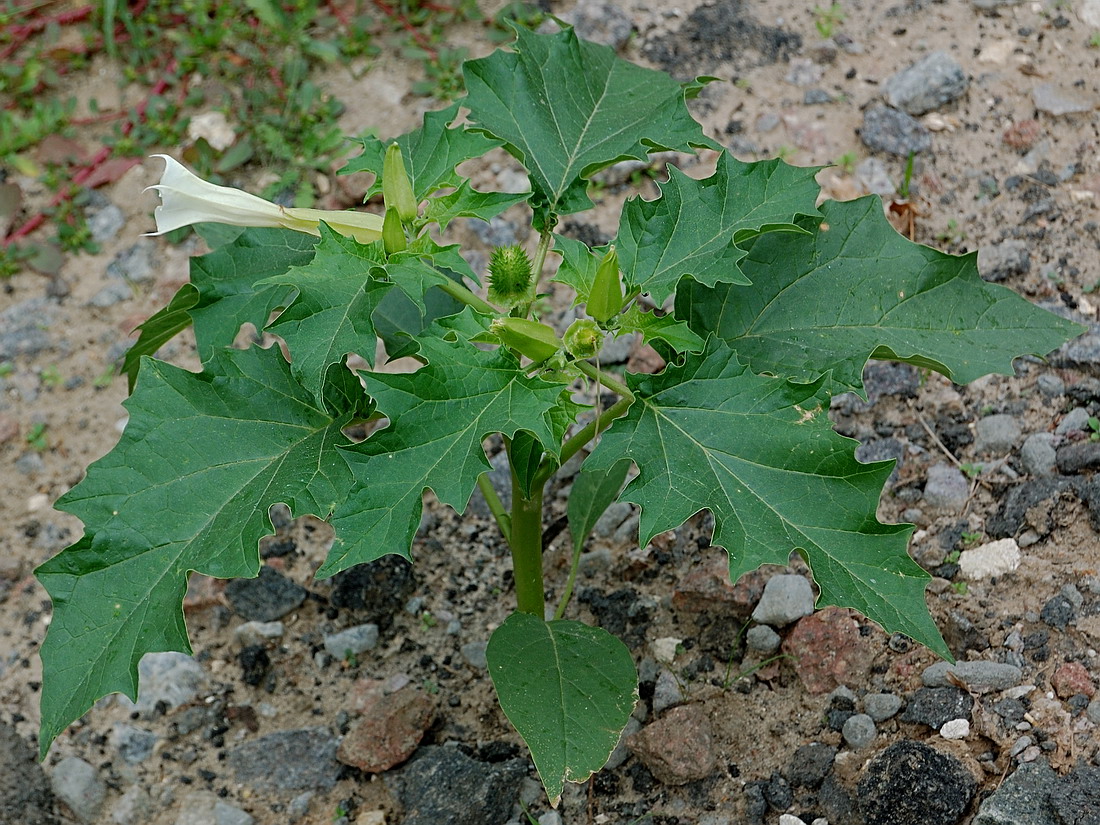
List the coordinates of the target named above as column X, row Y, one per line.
column 24, row 328
column 622, row 752
column 881, row 706
column 265, row 598
column 1003, row 260
column 762, row 639
column 257, row 633
column 1076, row 456
column 205, row 808
column 996, row 435
column 356, row 640
column 114, row 293
column 133, row 744
column 1022, row 799
column 1058, row 100
column 25, row 795
column 595, row 561
column 786, row 599
column 666, row 692
column 889, row 130
column 946, row 489
column 137, row 264
column 814, row 97
column 1050, row 385
column 77, row 784
column 442, row 784
column 105, row 223
column 550, row 818
column 496, row 231
column 1076, row 797
column 602, row 22
column 1038, row 456
column 992, row 6
column 612, row 517
column 299, row 806
column 170, row 677
column 911, row 783
column 1075, row 419
column 474, row 654
column 133, row 808
column 810, row 764
column 859, row 731
column 1092, row 712
column 289, row 760
column 979, row 675
column 929, row 83
column 873, row 176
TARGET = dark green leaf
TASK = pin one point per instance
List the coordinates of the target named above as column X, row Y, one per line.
column 440, row 416
column 693, row 227
column 188, row 487
column 431, row 153
column 855, row 287
column 761, row 455
column 332, row 313
column 567, row 108
column 227, row 281
column 578, row 265
column 665, row 328
column 526, row 453
column 467, row 202
column 568, row 688
column 160, row 328
column 593, row 492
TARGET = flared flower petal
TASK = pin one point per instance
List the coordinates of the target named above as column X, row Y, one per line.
column 187, row 199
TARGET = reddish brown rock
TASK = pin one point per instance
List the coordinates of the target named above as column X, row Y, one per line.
column 707, row 588
column 828, row 650
column 9, row 429
column 1022, row 135
column 390, row 734
column 1070, row 679
column 677, row 748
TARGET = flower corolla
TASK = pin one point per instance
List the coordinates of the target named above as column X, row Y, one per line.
column 187, row 199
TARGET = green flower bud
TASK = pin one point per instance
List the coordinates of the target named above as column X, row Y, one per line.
column 537, row 341
column 393, row 233
column 509, row 275
column 583, row 338
column 606, row 298
column 397, row 191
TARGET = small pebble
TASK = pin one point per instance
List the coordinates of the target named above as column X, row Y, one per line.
column 859, row 731
column 881, row 706
column 474, row 654
column 955, row 729
column 1076, row 419
column 762, row 639
column 786, row 599
column 994, row 558
column 354, row 640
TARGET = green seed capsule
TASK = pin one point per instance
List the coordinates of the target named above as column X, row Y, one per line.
column 606, row 298
column 509, row 275
column 397, row 191
column 393, row 233
column 537, row 341
column 583, row 338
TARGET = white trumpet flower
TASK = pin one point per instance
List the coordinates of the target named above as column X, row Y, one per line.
column 186, row 199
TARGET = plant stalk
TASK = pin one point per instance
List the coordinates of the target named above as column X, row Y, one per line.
column 525, row 540
column 605, row 379
column 496, row 506
column 461, row 293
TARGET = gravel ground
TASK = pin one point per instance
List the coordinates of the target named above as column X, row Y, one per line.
column 364, row 699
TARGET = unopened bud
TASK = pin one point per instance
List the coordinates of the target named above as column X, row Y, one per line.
column 583, row 338
column 393, row 233
column 606, row 298
column 535, row 340
column 397, row 191
column 509, row 275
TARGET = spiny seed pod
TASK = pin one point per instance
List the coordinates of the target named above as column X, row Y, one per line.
column 583, row 338
column 393, row 233
column 509, row 275
column 397, row 191
column 537, row 341
column 606, row 298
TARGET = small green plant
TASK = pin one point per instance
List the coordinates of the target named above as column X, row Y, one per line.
column 827, row 20
column 970, row 539
column 951, row 234
column 1094, row 426
column 952, row 557
column 847, row 162
column 37, row 438
column 959, row 587
column 751, row 267
column 50, row 376
column 1094, row 40
column 427, row 620
column 971, row 470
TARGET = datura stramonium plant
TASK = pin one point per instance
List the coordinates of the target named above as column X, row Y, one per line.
column 187, row 199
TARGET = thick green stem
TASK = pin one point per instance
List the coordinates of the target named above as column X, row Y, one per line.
column 593, row 428
column 605, row 379
column 524, row 309
column 525, row 539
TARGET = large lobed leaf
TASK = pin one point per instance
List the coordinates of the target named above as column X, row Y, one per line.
column 568, row 688
column 760, row 454
column 439, row 415
column 694, row 227
column 567, row 108
column 188, row 487
column 853, row 289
